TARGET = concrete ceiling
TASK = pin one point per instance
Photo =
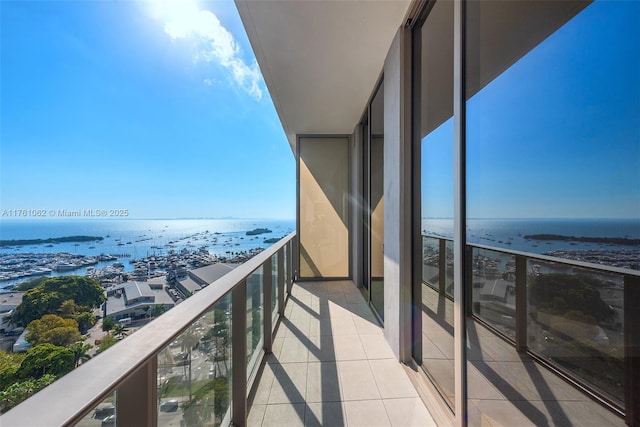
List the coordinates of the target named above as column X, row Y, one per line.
column 320, row 58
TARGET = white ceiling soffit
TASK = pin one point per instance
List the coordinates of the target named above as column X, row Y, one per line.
column 320, row 58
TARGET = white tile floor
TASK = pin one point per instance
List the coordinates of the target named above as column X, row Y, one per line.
column 331, row 366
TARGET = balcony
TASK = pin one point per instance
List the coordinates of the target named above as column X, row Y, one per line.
column 255, row 348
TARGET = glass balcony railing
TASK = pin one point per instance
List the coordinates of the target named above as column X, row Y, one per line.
column 568, row 315
column 194, row 365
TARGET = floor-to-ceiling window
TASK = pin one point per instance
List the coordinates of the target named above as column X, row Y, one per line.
column 550, row 137
column 376, row 201
column 372, row 129
column 553, row 151
column 434, row 78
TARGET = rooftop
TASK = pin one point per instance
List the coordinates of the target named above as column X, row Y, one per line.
column 211, row 273
column 133, row 291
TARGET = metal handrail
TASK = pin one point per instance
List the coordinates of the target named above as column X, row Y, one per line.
column 72, row 397
column 548, row 258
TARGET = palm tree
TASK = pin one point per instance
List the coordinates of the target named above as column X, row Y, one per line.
column 188, row 341
column 120, row 331
column 11, row 319
column 157, row 310
column 80, row 352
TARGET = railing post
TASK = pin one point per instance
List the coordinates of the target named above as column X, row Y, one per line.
column 521, row 303
column 281, row 275
column 267, row 291
column 295, row 259
column 137, row 397
column 442, row 266
column 632, row 349
column 239, row 354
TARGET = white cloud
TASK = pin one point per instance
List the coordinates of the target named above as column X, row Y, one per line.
column 213, row 42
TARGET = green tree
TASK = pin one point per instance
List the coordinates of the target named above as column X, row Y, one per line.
column 47, row 297
column 210, row 399
column 569, row 294
column 221, row 397
column 157, row 310
column 30, row 284
column 107, row 324
column 68, row 309
column 188, row 340
column 46, row 359
column 11, row 319
column 80, row 353
column 22, row 390
column 86, row 320
column 54, row 330
column 119, row 331
column 106, row 342
column 9, row 365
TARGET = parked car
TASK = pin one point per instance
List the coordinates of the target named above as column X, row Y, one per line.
column 103, row 412
column 170, row 405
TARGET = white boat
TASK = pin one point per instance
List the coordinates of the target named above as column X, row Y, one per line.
column 65, row 266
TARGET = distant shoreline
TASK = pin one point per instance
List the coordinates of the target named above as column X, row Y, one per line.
column 22, row 242
column 607, row 240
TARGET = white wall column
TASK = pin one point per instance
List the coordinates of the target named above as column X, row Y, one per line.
column 398, row 195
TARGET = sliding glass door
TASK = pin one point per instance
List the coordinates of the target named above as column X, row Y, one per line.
column 373, row 190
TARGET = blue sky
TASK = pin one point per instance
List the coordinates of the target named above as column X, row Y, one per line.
column 143, row 106
column 161, row 110
column 557, row 135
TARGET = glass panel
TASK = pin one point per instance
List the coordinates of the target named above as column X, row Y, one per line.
column 255, row 316
column 104, row 414
column 575, row 320
column 552, row 138
column 435, row 81
column 376, row 201
column 437, row 341
column 285, row 272
column 194, row 371
column 494, row 289
column 431, row 261
column 274, row 286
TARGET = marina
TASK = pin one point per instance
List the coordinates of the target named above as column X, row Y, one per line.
column 128, row 248
column 144, row 248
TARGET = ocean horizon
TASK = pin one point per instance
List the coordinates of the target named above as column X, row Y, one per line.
column 138, row 238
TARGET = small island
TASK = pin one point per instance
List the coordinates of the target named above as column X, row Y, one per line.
column 272, row 240
column 50, row 240
column 606, row 240
column 257, row 231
